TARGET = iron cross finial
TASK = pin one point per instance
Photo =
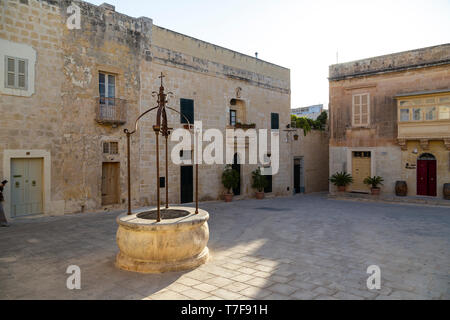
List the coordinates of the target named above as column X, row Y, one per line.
column 161, row 77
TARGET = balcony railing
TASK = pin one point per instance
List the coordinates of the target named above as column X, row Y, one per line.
column 111, row 111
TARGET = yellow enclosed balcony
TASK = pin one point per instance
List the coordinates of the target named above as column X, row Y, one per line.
column 424, row 116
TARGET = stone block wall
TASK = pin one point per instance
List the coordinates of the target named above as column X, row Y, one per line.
column 59, row 115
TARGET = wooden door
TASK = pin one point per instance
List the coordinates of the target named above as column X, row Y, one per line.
column 422, row 178
column 26, row 187
column 361, row 163
column 110, row 183
column 426, row 178
column 432, row 183
column 297, row 176
column 237, row 167
column 187, row 184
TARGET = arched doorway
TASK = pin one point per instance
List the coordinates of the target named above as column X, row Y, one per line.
column 237, row 166
column 426, row 175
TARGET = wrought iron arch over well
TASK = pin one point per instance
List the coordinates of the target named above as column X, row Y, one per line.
column 160, row 128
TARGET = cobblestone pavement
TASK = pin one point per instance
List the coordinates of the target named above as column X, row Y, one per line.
column 302, row 247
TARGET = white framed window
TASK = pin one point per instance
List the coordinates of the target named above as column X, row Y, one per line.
column 404, row 115
column 107, row 85
column 444, row 112
column 361, row 110
column 16, row 73
column 417, row 114
column 430, row 113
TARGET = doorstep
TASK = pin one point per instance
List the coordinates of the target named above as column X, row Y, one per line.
column 390, row 199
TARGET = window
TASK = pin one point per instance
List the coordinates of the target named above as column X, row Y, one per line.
column 361, row 109
column 275, row 121
column 417, row 114
column 107, row 85
column 404, row 114
column 362, row 154
column 444, row 112
column 110, row 147
column 187, row 109
column 16, row 73
column 430, row 113
column 232, row 117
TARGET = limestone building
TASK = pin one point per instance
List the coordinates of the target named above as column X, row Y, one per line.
column 311, row 161
column 390, row 116
column 75, row 75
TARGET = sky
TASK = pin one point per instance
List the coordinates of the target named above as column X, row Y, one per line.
column 304, row 36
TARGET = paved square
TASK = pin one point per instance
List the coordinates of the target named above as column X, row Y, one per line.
column 302, row 247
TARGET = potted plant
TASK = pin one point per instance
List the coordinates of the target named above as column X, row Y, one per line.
column 374, row 182
column 259, row 182
column 341, row 180
column 230, row 180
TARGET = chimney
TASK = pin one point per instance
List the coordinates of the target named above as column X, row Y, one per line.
column 256, row 55
column 108, row 6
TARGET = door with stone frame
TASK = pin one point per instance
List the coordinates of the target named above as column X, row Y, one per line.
column 110, row 183
column 26, row 187
column 361, row 169
column 427, row 175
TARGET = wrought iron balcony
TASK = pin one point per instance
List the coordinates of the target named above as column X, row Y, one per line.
column 111, row 111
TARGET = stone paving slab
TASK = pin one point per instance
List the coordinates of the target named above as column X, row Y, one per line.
column 306, row 247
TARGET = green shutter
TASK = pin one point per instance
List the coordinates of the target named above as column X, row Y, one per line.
column 187, row 109
column 275, row 121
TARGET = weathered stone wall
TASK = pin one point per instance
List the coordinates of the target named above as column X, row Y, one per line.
column 200, row 73
column 34, row 122
column 383, row 78
column 59, row 116
column 108, row 42
column 383, row 107
column 401, row 61
column 315, row 152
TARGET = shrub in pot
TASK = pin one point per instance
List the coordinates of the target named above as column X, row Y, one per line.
column 374, row 182
column 341, row 180
column 230, row 180
column 259, row 182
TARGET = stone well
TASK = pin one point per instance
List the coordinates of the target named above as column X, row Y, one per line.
column 178, row 242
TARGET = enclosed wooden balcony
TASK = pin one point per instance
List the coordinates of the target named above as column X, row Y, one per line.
column 111, row 111
column 424, row 115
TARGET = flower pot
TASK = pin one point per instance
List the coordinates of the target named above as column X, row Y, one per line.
column 342, row 188
column 401, row 189
column 375, row 191
column 259, row 195
column 228, row 197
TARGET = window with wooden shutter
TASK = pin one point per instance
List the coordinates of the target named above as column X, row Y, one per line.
column 275, row 121
column 16, row 73
column 187, row 109
column 361, row 109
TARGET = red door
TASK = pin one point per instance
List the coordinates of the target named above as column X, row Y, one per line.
column 432, row 185
column 426, row 178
